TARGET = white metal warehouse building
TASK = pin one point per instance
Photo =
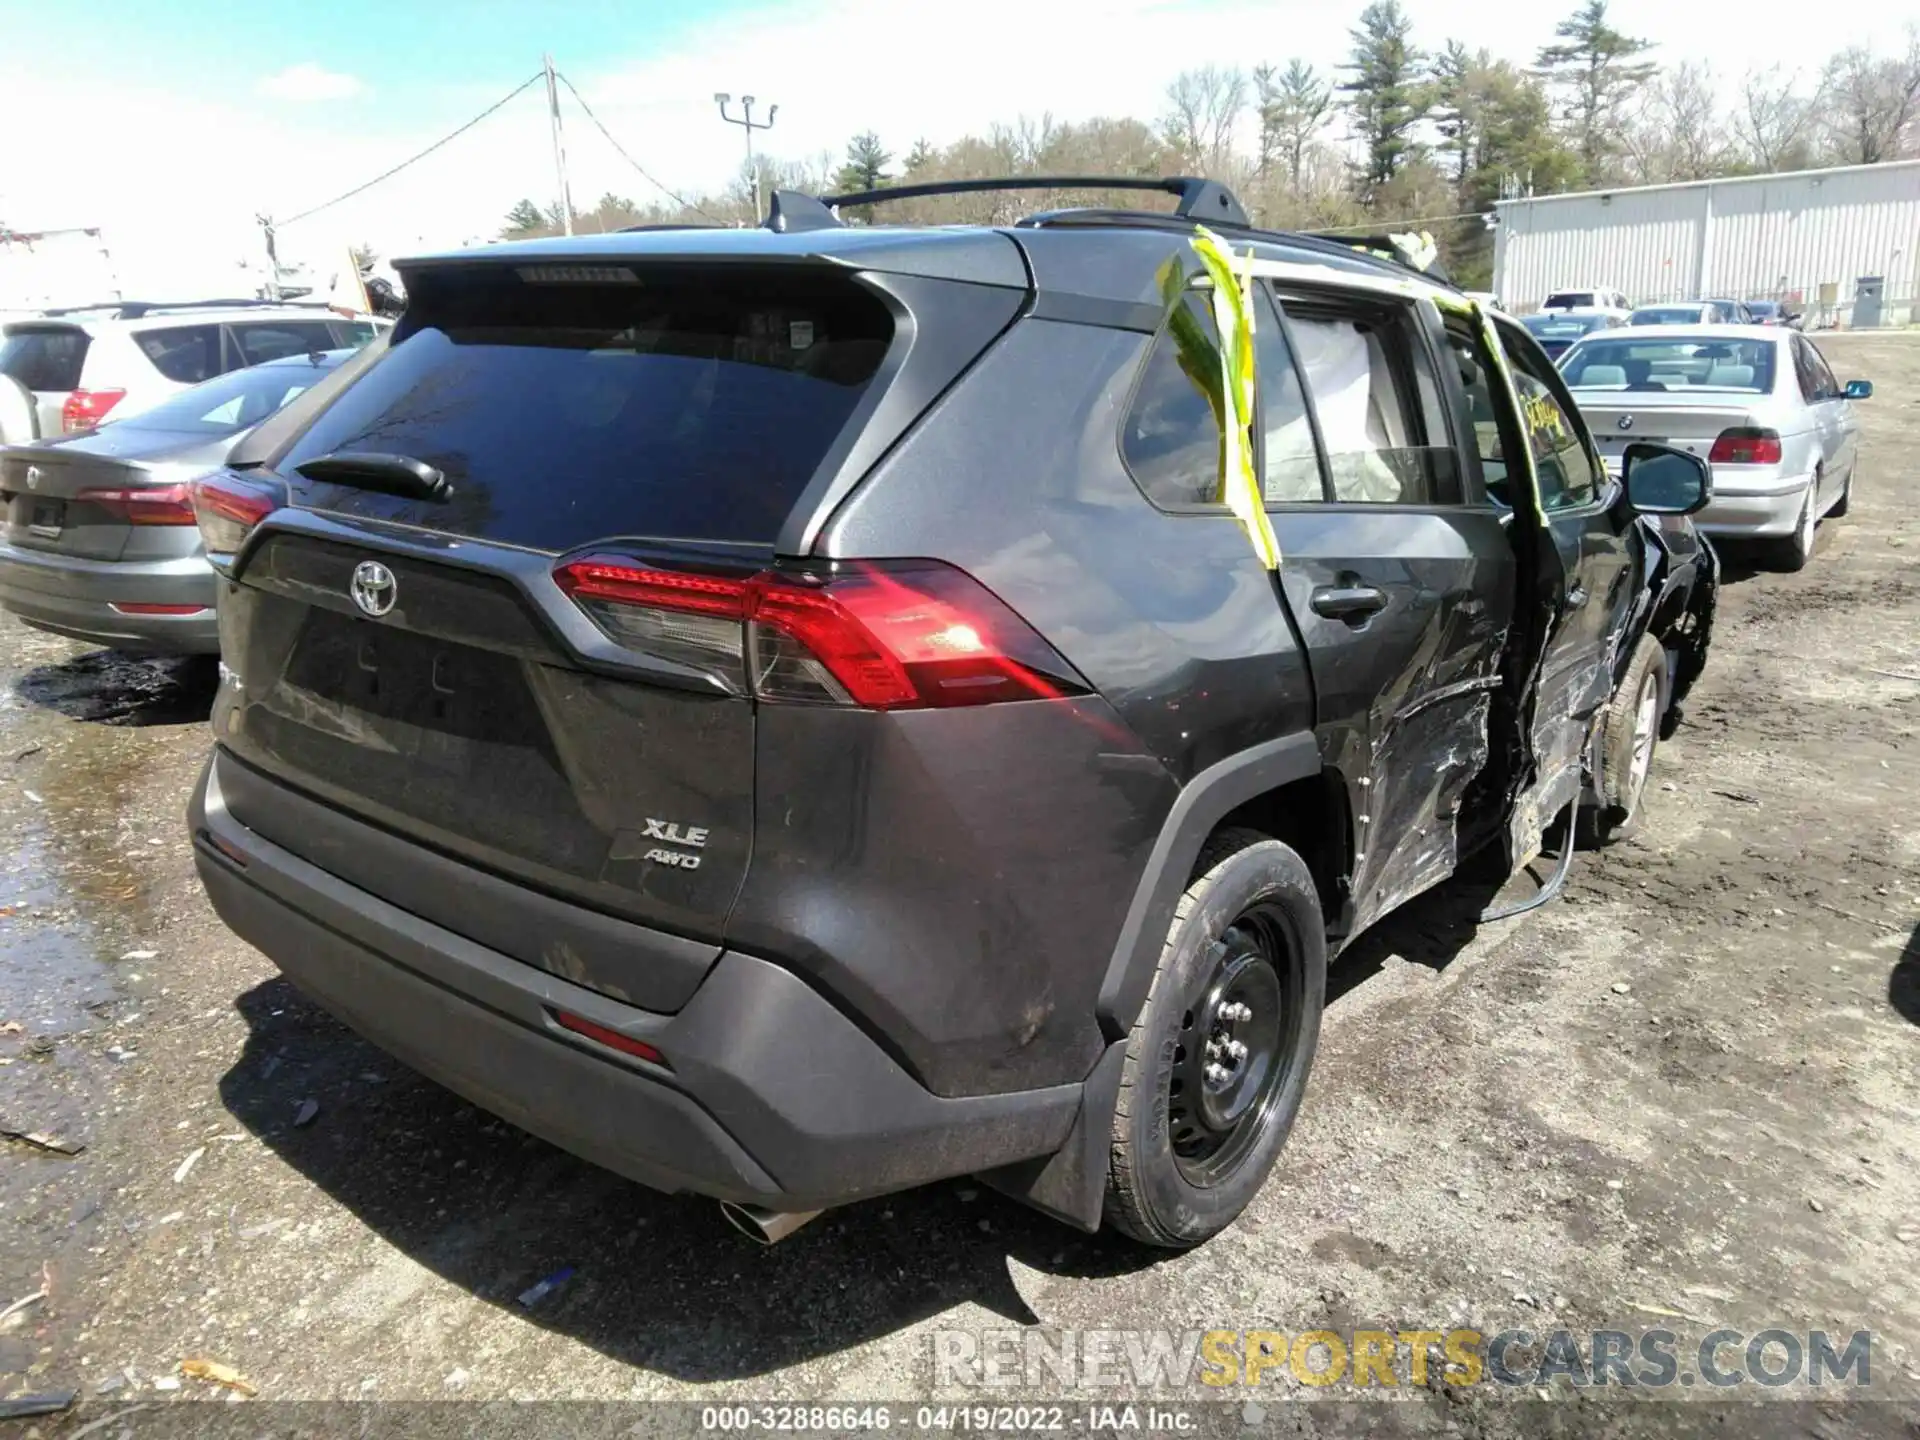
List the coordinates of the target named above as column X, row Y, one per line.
column 1843, row 245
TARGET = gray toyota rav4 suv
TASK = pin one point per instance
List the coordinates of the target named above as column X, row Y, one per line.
column 789, row 715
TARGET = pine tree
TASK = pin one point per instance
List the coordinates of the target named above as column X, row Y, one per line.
column 1593, row 70
column 920, row 157
column 866, row 165
column 523, row 217
column 1388, row 95
column 1293, row 106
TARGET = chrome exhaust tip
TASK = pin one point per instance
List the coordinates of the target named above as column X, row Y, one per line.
column 764, row 1226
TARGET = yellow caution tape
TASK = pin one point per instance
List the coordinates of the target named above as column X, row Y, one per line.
column 1240, row 488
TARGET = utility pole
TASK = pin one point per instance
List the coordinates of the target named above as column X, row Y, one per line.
column 273, row 257
column 746, row 122
column 559, row 146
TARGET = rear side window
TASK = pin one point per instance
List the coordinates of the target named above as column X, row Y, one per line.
column 186, row 353
column 692, row 404
column 1171, row 438
column 44, row 359
column 276, row 341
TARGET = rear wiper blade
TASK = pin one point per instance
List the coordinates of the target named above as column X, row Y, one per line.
column 393, row 474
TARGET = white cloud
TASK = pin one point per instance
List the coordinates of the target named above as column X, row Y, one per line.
column 308, row 82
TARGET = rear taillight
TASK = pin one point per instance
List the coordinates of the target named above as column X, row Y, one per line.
column 1746, row 446
column 154, row 505
column 85, row 409
column 919, row 635
column 227, row 508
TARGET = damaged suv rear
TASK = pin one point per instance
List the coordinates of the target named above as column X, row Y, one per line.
column 793, row 715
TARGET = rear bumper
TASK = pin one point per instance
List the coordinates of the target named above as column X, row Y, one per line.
column 773, row 1096
column 74, row 596
column 1756, row 505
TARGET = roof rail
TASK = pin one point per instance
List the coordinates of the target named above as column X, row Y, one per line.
column 1200, row 199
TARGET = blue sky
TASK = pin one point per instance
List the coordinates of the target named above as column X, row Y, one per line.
column 172, row 123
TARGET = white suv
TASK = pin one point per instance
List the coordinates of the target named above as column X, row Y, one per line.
column 84, row 366
column 1597, row 301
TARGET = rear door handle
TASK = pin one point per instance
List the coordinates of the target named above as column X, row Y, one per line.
column 1352, row 603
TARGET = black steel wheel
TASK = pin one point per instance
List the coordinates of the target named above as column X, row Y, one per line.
column 1217, row 1062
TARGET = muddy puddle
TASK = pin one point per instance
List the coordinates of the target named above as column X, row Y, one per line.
column 80, row 907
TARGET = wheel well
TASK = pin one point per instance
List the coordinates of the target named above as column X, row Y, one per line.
column 1311, row 816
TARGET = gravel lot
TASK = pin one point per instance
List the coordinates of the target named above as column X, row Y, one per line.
column 1686, row 1095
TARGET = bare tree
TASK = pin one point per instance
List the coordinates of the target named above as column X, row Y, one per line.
column 1773, row 121
column 1675, row 133
column 1203, row 106
column 1871, row 105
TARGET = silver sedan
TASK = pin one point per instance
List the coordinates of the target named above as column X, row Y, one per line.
column 1758, row 402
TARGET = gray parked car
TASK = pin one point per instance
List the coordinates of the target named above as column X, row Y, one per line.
column 100, row 541
column 1758, row 402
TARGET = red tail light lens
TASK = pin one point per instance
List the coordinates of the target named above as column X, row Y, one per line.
column 882, row 637
column 85, row 409
column 155, row 505
column 1745, row 446
column 227, row 508
column 612, row 1039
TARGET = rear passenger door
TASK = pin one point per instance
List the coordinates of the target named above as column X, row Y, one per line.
column 1399, row 578
column 1835, row 426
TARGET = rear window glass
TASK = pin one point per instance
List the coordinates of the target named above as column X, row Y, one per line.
column 44, row 359
column 1668, row 315
column 233, row 402
column 186, row 353
column 692, row 405
column 1675, row 364
column 1569, row 300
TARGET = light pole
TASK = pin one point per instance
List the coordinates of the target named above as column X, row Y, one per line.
column 746, row 122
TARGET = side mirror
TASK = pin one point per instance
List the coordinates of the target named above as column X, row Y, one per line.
column 1661, row 480
column 1858, row 390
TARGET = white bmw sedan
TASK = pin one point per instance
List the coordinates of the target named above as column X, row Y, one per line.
column 1759, row 403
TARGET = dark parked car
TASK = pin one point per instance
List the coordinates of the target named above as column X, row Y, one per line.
column 1556, row 330
column 100, row 541
column 789, row 715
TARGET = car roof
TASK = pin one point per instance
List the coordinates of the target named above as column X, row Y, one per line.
column 1635, row 333
column 1047, row 252
column 162, row 317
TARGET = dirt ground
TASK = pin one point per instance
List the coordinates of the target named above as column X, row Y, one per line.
column 1686, row 1095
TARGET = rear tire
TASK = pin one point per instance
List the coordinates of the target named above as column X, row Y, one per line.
column 1793, row 553
column 1846, row 498
column 1217, row 1063
column 1629, row 733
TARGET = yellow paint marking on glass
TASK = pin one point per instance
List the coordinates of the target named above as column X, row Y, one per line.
column 1232, row 297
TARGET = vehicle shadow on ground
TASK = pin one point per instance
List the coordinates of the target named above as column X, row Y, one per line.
column 661, row 1282
column 1903, row 985
column 112, row 688
column 1434, row 928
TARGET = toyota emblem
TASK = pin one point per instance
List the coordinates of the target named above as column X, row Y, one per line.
column 1626, row 422
column 33, row 477
column 373, row 589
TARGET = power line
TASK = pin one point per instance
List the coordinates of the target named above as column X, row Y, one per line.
column 389, row 174
column 682, row 202
column 1375, row 227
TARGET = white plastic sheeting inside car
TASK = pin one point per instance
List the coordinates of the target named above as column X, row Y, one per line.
column 1360, row 416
